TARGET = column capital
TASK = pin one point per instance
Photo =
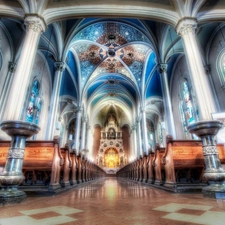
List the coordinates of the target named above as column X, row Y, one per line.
column 84, row 119
column 143, row 109
column 134, row 127
column 162, row 67
column 12, row 67
column 59, row 66
column 186, row 25
column 35, row 23
column 78, row 109
column 138, row 119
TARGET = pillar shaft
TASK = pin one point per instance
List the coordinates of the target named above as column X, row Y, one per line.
column 77, row 131
column 6, row 87
column 167, row 100
column 186, row 28
column 84, row 122
column 134, row 144
column 59, row 68
column 145, row 132
column 34, row 27
column 139, row 142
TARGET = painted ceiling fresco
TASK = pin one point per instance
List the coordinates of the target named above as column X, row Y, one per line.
column 111, row 48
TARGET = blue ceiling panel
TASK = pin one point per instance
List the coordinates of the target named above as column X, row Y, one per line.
column 67, row 85
column 50, row 63
column 129, row 88
column 50, row 35
column 92, row 88
column 137, row 23
column 170, row 66
column 150, row 64
column 91, row 33
column 154, row 87
column 70, row 24
column 127, row 100
column 95, row 101
column 86, row 21
column 71, row 62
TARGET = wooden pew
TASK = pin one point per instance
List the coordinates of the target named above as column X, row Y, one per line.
column 158, row 166
column 66, row 168
column 184, row 164
column 151, row 172
column 42, row 162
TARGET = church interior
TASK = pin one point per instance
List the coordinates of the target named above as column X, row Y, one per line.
column 112, row 112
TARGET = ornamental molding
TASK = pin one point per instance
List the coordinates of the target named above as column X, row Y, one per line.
column 59, row 66
column 16, row 153
column 210, row 150
column 162, row 68
column 12, row 67
column 186, row 26
column 35, row 23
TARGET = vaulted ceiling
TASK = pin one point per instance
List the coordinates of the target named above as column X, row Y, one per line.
column 112, row 48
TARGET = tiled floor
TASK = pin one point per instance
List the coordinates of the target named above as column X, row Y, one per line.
column 114, row 202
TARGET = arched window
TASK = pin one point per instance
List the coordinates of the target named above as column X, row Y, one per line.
column 187, row 112
column 34, row 105
column 0, row 60
column 221, row 67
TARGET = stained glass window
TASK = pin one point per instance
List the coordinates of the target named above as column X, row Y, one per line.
column 186, row 107
column 34, row 106
column 221, row 68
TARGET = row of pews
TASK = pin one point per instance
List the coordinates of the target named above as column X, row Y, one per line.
column 178, row 167
column 48, row 167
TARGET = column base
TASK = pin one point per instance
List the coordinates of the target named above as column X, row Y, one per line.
column 10, row 196
column 216, row 191
column 73, row 182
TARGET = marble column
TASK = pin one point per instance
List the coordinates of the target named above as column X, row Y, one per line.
column 186, row 28
column 88, row 130
column 59, row 68
column 77, row 131
column 209, row 74
column 134, row 135
column 6, row 87
column 34, row 27
column 139, row 142
column 145, row 132
column 167, row 100
column 207, row 128
column 84, row 123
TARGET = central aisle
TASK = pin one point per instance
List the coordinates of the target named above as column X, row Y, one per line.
column 114, row 202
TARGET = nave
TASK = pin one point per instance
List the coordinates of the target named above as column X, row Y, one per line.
column 112, row 201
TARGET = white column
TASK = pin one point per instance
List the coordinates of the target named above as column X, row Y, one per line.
column 208, row 72
column 134, row 135
column 139, row 142
column 88, row 130
column 84, row 122
column 145, row 132
column 186, row 28
column 77, row 131
column 167, row 100
column 6, row 87
column 59, row 68
column 34, row 27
